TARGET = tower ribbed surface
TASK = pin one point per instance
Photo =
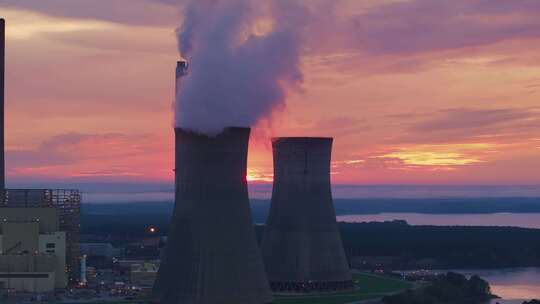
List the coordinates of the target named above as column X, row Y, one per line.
column 211, row 256
column 302, row 247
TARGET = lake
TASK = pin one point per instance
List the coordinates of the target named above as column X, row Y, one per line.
column 524, row 220
column 513, row 285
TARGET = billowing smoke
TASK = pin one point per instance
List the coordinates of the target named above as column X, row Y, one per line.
column 243, row 55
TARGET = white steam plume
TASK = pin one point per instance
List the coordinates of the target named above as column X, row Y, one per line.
column 243, row 55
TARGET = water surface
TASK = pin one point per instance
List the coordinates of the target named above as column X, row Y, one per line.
column 513, row 285
column 524, row 220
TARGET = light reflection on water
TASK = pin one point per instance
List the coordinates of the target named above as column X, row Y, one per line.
column 525, row 220
column 513, row 285
column 499, row 301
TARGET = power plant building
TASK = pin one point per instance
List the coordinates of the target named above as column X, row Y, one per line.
column 144, row 274
column 32, row 250
column 41, row 202
column 302, row 247
column 211, row 255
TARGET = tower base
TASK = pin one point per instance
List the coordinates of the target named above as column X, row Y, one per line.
column 311, row 286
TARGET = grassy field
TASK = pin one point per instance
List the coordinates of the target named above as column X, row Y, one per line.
column 368, row 287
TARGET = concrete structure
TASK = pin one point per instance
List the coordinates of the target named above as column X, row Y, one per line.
column 2, row 86
column 302, row 247
column 144, row 274
column 83, row 281
column 211, row 255
column 32, row 250
column 181, row 71
column 67, row 203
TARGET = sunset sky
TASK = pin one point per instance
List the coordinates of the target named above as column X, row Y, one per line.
column 413, row 91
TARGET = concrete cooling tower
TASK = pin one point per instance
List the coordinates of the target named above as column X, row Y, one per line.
column 211, row 255
column 302, row 247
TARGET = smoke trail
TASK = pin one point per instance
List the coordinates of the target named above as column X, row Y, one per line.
column 243, row 55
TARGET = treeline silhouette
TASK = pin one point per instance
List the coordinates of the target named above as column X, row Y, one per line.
column 450, row 288
column 445, row 247
column 260, row 208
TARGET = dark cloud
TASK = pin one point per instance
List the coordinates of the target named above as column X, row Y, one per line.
column 71, row 148
column 427, row 25
column 121, row 41
column 89, row 70
column 460, row 119
column 504, row 7
column 396, row 28
column 461, row 125
column 342, row 126
column 135, row 12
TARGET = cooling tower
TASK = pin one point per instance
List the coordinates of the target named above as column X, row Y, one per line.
column 302, row 247
column 211, row 255
column 2, row 74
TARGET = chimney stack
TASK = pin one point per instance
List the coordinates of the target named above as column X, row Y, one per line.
column 181, row 71
column 302, row 247
column 211, row 255
column 2, row 88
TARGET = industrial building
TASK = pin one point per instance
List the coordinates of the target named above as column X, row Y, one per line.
column 302, row 247
column 32, row 250
column 144, row 274
column 37, row 205
column 211, row 255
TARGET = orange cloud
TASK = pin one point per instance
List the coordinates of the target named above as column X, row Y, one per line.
column 441, row 155
column 258, row 175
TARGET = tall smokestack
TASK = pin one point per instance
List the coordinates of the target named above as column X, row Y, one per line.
column 211, row 255
column 2, row 88
column 181, row 71
column 302, row 247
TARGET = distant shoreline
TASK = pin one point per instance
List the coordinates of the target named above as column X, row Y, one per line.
column 260, row 207
column 489, row 211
